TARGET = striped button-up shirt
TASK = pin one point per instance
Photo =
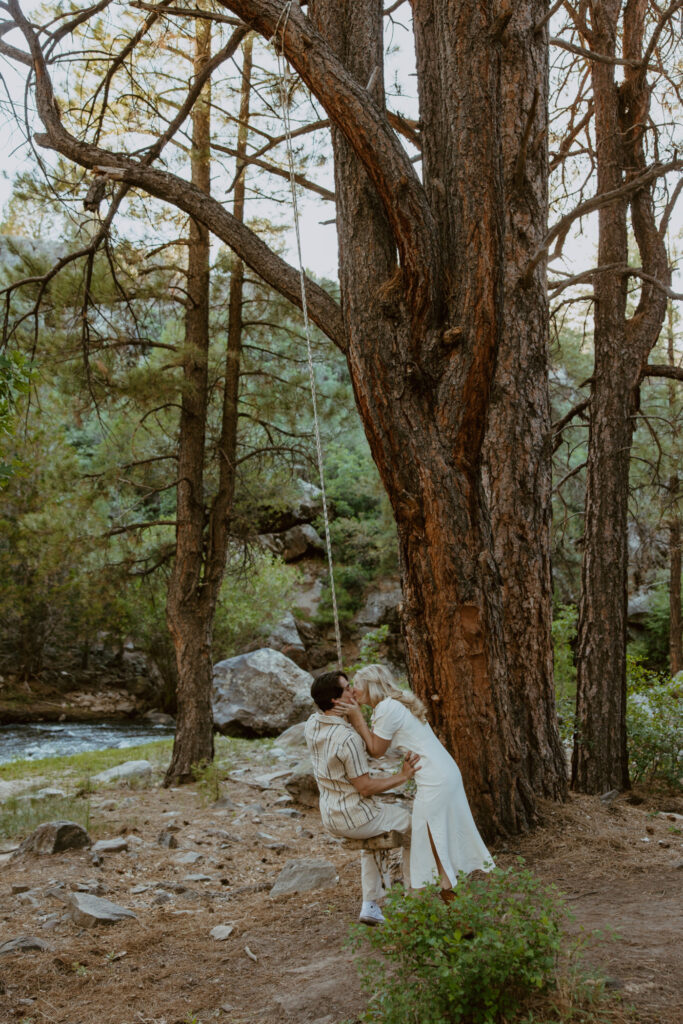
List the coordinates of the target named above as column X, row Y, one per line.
column 338, row 754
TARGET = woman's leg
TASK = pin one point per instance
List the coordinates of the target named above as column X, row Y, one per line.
column 446, row 883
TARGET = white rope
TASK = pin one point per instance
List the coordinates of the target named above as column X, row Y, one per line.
column 283, row 75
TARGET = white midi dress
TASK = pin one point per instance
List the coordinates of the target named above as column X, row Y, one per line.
column 440, row 802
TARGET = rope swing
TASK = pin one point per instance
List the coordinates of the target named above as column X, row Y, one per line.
column 284, row 81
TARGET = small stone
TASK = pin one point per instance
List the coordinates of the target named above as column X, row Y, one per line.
column 124, row 772
column 222, row 932
column 54, row 837
column 288, row 812
column 225, row 803
column 161, row 898
column 168, row 840
column 24, row 942
column 19, row 887
column 196, row 878
column 87, row 910
column 189, row 857
column 610, row 796
column 663, row 843
column 305, row 875
column 110, row 845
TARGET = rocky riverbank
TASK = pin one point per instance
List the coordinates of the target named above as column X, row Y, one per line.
column 200, row 931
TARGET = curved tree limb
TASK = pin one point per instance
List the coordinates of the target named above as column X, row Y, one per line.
column 183, row 195
column 367, row 130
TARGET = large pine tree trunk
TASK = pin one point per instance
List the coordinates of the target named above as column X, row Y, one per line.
column 422, row 387
column 517, row 451
column 190, row 606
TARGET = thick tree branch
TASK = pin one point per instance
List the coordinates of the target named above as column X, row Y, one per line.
column 662, row 370
column 172, row 189
column 560, row 230
column 367, row 130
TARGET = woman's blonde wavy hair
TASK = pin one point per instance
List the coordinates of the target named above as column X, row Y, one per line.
column 378, row 683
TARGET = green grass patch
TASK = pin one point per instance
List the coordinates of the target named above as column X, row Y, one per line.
column 90, row 762
column 20, row 815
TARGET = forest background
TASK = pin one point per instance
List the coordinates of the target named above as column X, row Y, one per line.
column 97, row 280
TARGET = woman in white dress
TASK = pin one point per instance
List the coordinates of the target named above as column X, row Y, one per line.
column 445, row 839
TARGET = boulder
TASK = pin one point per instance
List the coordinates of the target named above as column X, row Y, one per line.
column 381, row 606
column 23, row 942
column 88, row 910
column 124, row 772
column 159, row 718
column 260, row 694
column 294, row 543
column 301, row 785
column 54, row 837
column 305, row 875
column 306, row 505
column 292, row 737
column 285, row 635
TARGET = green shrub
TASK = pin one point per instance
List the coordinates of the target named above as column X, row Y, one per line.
column 349, row 585
column 481, row 957
column 654, row 723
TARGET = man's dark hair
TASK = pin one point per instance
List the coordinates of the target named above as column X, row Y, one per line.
column 326, row 688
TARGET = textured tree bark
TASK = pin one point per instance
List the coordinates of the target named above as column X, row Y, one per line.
column 422, row 386
column 203, row 534
column 189, row 605
column 600, row 757
column 517, row 446
column 675, row 567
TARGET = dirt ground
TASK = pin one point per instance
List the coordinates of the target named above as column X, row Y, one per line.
column 620, row 867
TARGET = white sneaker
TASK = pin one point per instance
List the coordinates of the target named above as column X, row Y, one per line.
column 370, row 913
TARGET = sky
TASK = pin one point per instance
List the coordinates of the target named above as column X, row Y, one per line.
column 317, row 237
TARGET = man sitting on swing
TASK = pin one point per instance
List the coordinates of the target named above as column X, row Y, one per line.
column 348, row 806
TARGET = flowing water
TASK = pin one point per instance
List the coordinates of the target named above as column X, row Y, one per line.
column 36, row 740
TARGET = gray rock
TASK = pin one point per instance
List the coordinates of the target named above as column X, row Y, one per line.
column 87, row 910
column 54, row 837
column 302, row 787
column 159, row 718
column 222, row 932
column 293, row 737
column 260, row 694
column 162, row 897
column 305, row 875
column 19, row 887
column 48, row 794
column 168, row 840
column 225, row 803
column 117, row 845
column 294, row 543
column 288, row 812
column 24, row 942
column 381, row 606
column 196, row 878
column 124, row 772
column 285, row 635
column 190, row 857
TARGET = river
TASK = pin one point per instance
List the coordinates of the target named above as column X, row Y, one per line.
column 36, row 740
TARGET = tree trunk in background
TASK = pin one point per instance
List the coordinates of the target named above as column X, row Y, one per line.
column 188, row 609
column 422, row 387
column 196, row 582
column 517, row 448
column 600, row 758
column 675, row 568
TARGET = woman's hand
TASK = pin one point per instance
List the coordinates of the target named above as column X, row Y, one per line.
column 348, row 706
column 410, row 766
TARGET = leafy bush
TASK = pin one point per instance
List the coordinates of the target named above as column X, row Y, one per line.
column 473, row 960
column 654, row 723
column 349, row 585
